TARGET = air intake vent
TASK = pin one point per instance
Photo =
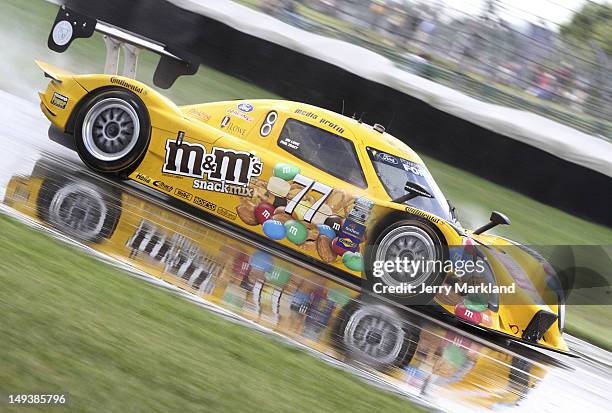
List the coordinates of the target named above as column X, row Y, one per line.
column 538, row 325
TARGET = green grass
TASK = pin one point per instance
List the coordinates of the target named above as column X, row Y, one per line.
column 115, row 343
column 592, row 323
column 532, row 222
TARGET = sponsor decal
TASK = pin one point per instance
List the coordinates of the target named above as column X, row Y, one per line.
column 348, row 242
column 422, row 214
column 183, row 194
column 412, row 167
column 385, row 157
column 243, row 191
column 355, row 229
column 306, row 113
column 289, row 143
column 204, row 203
column 225, row 121
column 222, row 170
column 245, row 107
column 240, row 115
column 126, row 84
column 203, row 116
column 143, row 178
column 163, row 186
column 59, row 100
column 62, row 33
column 22, row 193
column 235, row 129
column 180, row 256
column 226, row 213
column 332, row 125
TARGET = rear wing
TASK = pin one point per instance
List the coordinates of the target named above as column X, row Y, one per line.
column 70, row 25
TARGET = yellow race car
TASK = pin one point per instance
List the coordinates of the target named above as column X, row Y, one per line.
column 331, row 190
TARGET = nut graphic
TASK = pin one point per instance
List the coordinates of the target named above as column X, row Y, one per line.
column 262, row 195
column 324, row 249
column 309, row 199
column 322, row 214
column 309, row 245
column 336, row 199
column 313, row 232
column 246, row 212
column 282, row 217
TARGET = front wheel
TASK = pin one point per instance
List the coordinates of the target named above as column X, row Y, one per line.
column 374, row 334
column 417, row 254
column 112, row 131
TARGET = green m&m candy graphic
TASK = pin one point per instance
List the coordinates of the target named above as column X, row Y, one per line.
column 455, row 355
column 278, row 276
column 476, row 302
column 339, row 297
column 353, row 260
column 296, row 232
column 285, row 171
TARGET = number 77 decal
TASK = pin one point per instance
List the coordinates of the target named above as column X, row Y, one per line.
column 308, row 184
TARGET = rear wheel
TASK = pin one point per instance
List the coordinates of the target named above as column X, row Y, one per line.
column 79, row 209
column 112, row 131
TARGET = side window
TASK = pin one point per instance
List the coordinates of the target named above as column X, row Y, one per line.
column 329, row 152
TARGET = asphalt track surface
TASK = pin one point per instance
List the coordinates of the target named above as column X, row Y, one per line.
column 423, row 358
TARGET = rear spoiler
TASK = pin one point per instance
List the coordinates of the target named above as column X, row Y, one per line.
column 70, row 25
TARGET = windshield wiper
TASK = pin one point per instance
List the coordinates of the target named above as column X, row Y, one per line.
column 414, row 190
column 452, row 210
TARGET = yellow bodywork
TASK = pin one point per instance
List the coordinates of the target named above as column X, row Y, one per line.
column 227, row 127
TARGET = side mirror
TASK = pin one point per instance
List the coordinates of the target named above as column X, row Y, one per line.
column 413, row 190
column 497, row 218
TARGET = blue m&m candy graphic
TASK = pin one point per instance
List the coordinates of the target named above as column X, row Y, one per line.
column 326, row 231
column 262, row 261
column 274, row 229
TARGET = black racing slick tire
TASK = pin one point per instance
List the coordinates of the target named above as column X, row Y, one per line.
column 374, row 334
column 79, row 208
column 409, row 241
column 112, row 131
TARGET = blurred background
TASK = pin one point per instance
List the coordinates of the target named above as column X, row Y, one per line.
column 550, row 57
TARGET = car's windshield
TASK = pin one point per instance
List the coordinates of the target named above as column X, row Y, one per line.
column 394, row 172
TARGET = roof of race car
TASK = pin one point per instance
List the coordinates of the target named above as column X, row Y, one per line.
column 360, row 133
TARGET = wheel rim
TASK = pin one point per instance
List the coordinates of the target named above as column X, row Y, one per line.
column 374, row 336
column 110, row 129
column 78, row 210
column 413, row 244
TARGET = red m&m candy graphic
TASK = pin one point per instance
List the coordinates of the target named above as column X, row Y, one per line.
column 264, row 212
column 469, row 315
